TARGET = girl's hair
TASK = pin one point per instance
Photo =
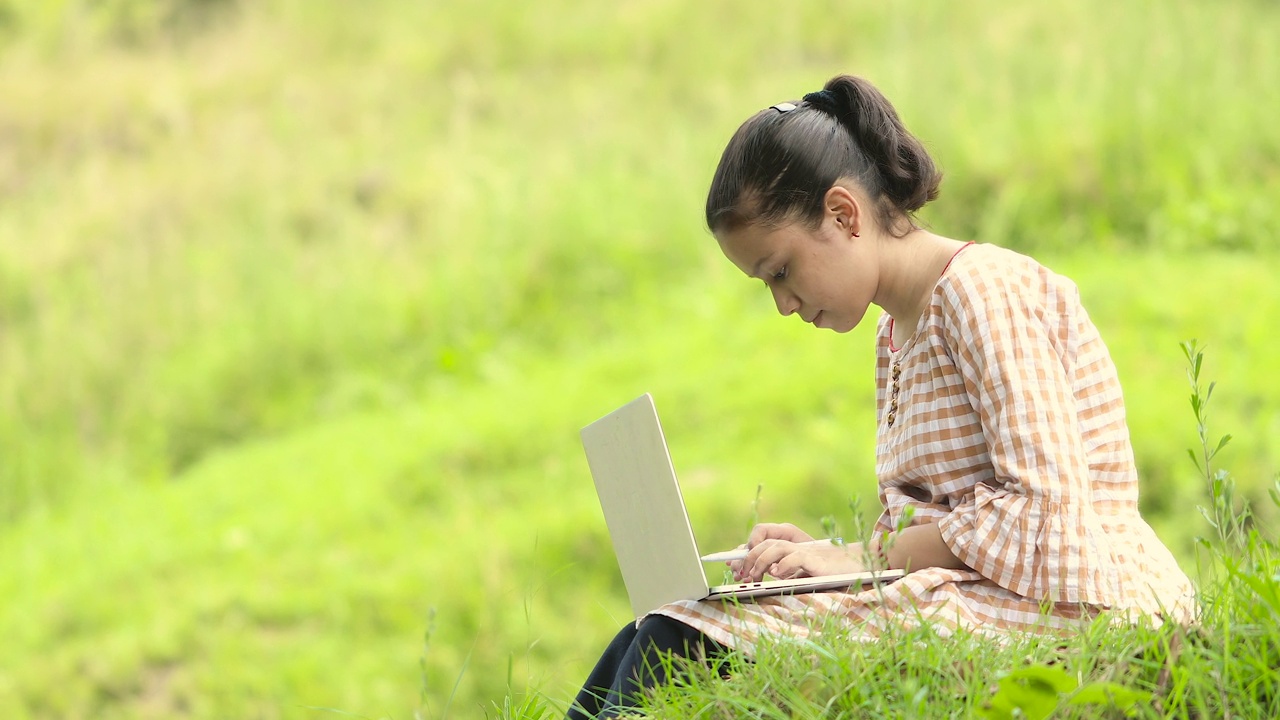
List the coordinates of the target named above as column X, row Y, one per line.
column 780, row 164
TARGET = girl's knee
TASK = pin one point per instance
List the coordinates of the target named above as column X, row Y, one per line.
column 666, row 635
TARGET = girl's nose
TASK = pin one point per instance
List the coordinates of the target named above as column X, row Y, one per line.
column 786, row 302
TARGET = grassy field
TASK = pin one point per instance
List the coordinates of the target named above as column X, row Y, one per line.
column 301, row 308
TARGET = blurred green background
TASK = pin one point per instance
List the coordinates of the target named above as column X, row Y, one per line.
column 302, row 305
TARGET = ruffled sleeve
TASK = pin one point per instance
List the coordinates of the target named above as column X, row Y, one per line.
column 1030, row 527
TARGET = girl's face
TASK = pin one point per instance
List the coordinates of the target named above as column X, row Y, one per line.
column 825, row 275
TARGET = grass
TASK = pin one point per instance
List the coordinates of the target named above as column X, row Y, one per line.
column 301, row 308
column 1222, row 668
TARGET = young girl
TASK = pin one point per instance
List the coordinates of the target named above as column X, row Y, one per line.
column 1003, row 458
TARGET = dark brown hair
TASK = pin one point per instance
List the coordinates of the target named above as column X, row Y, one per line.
column 780, row 164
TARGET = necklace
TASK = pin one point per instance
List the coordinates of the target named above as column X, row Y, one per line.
column 896, row 374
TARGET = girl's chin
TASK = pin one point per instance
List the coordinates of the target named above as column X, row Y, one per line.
column 839, row 326
column 832, row 324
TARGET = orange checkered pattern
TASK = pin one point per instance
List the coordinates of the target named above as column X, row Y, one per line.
column 1000, row 419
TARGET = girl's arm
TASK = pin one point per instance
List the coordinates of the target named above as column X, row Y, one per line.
column 915, row 548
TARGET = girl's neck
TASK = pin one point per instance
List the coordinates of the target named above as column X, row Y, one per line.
column 910, row 268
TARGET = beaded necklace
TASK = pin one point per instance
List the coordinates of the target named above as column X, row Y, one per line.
column 895, row 374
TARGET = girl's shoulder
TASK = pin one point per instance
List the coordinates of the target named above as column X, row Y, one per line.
column 989, row 277
column 986, row 263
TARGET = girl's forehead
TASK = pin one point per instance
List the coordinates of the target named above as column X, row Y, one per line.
column 751, row 246
column 760, row 235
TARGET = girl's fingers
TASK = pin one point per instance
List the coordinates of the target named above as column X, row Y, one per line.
column 776, row 539
column 762, row 557
column 776, row 531
column 736, row 565
column 795, row 565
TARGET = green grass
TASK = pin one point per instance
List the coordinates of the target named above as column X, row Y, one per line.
column 1223, row 667
column 301, row 308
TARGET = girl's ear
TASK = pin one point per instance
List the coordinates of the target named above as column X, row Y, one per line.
column 844, row 209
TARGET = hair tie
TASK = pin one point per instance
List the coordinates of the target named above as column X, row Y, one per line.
column 785, row 107
column 825, row 101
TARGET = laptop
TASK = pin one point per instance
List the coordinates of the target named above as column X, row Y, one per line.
column 649, row 525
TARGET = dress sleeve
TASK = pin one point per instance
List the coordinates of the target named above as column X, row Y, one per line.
column 1031, row 526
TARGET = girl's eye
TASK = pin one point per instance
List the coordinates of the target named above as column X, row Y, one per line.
column 781, row 274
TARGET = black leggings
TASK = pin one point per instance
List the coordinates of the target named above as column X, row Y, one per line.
column 633, row 663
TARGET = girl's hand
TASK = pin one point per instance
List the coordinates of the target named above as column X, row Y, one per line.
column 776, row 531
column 763, row 533
column 784, row 560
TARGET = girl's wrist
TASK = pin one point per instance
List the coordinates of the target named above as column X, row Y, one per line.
column 879, row 554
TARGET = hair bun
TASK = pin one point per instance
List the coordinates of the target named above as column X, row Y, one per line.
column 825, row 101
column 907, row 175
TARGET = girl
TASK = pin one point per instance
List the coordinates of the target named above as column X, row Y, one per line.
column 1002, row 456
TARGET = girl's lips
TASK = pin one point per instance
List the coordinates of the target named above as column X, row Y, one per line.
column 816, row 319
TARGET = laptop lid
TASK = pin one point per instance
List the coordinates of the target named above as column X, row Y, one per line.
column 643, row 508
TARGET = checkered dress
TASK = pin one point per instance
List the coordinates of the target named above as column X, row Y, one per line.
column 1004, row 425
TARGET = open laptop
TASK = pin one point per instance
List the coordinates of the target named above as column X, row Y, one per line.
column 649, row 525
